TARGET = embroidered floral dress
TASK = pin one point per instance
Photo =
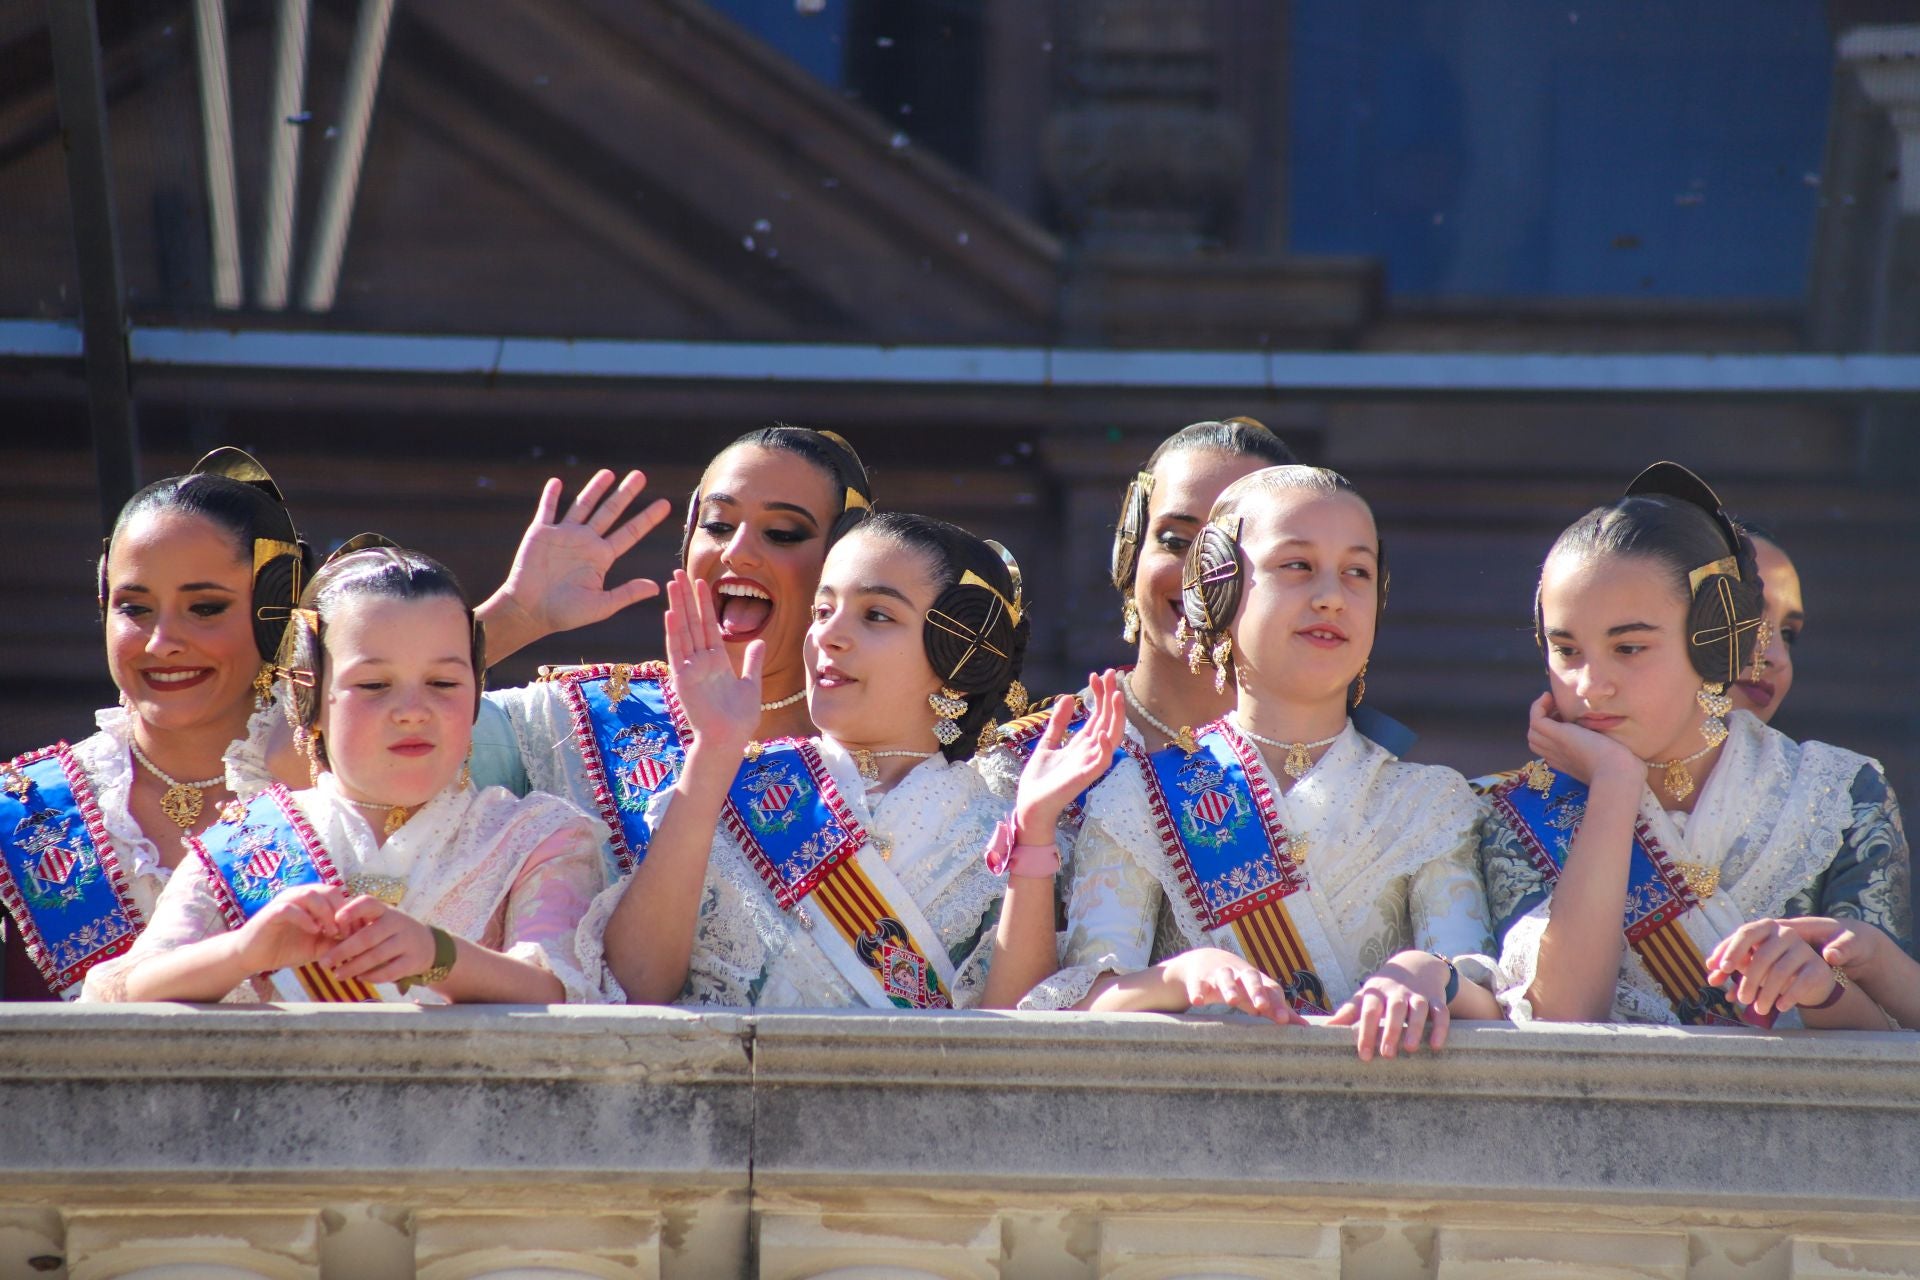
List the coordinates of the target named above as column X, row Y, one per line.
column 926, row 836
column 1387, row 850
column 1781, row 828
column 511, row 874
column 105, row 759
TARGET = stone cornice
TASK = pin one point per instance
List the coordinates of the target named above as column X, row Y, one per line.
column 454, row 1143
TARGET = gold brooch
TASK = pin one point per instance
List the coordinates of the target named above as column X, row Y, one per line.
column 1703, row 882
column 618, row 681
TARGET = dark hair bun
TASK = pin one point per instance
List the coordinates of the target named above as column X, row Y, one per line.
column 1131, row 531
column 1723, row 624
column 969, row 639
column 1212, row 581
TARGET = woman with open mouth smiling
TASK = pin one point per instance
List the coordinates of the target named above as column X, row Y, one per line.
column 841, row 869
column 1644, row 862
column 611, row 736
column 195, row 584
column 1279, row 862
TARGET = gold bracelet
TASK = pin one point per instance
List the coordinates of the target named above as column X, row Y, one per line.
column 444, row 954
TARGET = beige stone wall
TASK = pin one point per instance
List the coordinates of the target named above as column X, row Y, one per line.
column 456, row 1143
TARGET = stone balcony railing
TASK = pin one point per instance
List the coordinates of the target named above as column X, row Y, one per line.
column 176, row 1142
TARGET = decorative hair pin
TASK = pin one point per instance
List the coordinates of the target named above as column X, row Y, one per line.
column 1725, row 566
column 1013, row 573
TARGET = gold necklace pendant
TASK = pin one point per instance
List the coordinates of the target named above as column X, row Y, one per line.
column 396, row 818
column 1298, row 761
column 1185, row 740
column 869, row 771
column 1678, row 780
column 182, row 804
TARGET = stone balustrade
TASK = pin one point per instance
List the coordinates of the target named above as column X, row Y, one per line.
column 449, row 1144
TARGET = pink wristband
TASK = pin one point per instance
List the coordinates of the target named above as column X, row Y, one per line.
column 1035, row 861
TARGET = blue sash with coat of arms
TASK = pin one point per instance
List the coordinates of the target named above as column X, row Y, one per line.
column 1219, row 827
column 786, row 813
column 258, row 852
column 60, row 879
column 1545, row 808
column 632, row 735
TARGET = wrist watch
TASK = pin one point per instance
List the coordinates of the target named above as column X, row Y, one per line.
column 444, row 954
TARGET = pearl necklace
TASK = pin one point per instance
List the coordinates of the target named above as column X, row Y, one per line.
column 1183, row 739
column 1678, row 779
column 1298, row 760
column 787, row 701
column 869, row 771
column 397, row 814
column 182, row 801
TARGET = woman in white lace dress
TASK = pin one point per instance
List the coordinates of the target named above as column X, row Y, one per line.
column 1285, row 865
column 195, row 584
column 391, row 869
column 842, row 869
column 1655, row 863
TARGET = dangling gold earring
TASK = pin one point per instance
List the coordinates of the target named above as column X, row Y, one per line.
column 1714, row 701
column 1017, row 700
column 263, row 687
column 308, row 741
column 948, row 706
column 1359, row 686
column 1130, row 622
column 1222, row 655
column 1762, row 641
column 466, row 773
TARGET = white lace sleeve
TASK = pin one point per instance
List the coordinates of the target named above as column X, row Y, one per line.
column 186, row 913
column 247, row 760
column 545, row 907
column 1112, row 907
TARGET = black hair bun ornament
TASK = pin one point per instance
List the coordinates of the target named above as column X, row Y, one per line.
column 970, row 635
column 239, row 465
column 1671, row 480
column 1211, row 582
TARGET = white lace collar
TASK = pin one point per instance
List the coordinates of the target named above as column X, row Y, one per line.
column 426, row 835
column 1770, row 817
column 245, row 760
column 107, row 756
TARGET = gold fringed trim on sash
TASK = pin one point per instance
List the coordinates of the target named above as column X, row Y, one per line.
column 861, row 915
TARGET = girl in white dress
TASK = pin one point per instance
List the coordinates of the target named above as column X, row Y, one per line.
column 840, row 869
column 1287, row 865
column 391, row 868
column 1654, row 864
